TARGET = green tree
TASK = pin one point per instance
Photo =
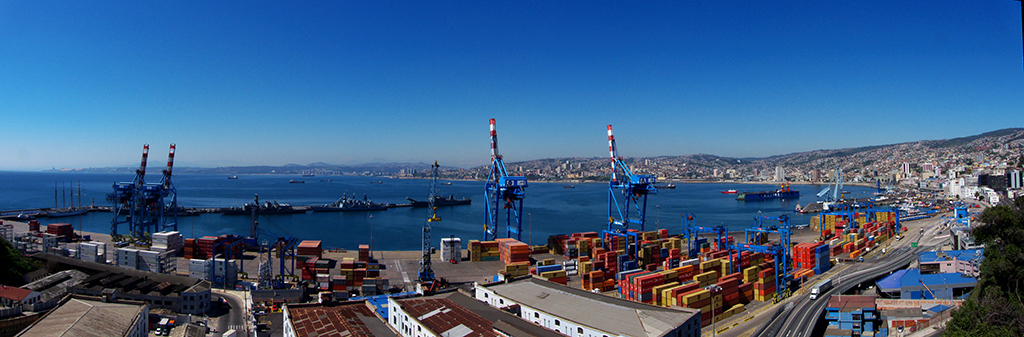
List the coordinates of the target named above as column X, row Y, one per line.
column 996, row 306
column 13, row 265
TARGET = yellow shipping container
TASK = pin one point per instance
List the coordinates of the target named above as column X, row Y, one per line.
column 696, row 296
column 553, row 274
column 658, row 291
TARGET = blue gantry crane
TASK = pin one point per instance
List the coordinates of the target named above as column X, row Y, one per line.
column 691, row 230
column 503, row 191
column 783, row 265
column 147, row 208
column 836, row 188
column 285, row 246
column 634, row 189
column 426, row 272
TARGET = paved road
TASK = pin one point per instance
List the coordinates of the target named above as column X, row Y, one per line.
column 234, row 318
column 799, row 317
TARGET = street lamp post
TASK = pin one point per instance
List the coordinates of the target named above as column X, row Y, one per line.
column 714, row 288
column 657, row 213
column 371, row 236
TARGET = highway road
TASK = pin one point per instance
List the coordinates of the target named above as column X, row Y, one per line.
column 798, row 317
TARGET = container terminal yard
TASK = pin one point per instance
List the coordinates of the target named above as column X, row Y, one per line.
column 622, row 280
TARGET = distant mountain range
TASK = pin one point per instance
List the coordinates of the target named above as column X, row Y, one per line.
column 694, row 166
column 318, row 168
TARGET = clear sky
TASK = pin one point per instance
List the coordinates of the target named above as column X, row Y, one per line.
column 86, row 84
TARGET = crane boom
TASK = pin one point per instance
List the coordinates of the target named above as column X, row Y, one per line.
column 634, row 189
column 426, row 273
column 502, row 191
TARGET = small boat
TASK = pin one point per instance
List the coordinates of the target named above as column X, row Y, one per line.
column 669, row 186
column 326, row 180
column 377, row 182
column 568, row 186
column 446, row 183
column 232, row 177
column 729, row 192
column 293, row 181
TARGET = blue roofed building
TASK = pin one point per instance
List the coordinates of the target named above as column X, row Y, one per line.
column 852, row 315
column 965, row 262
column 912, row 284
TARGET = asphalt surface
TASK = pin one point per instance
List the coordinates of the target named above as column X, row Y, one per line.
column 799, row 317
column 235, row 316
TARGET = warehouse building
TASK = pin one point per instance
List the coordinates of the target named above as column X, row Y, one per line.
column 576, row 312
column 350, row 319
column 162, row 291
column 84, row 317
column 455, row 313
column 911, row 284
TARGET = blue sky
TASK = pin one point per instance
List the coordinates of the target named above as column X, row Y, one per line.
column 86, row 84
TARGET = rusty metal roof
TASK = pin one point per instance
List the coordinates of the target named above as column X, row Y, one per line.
column 345, row 319
column 446, row 318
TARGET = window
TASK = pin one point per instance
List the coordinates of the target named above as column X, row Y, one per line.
column 502, row 300
column 579, row 330
column 486, row 295
column 557, row 323
column 536, row 315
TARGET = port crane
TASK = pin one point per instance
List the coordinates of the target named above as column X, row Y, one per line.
column 503, row 191
column 691, row 230
column 426, row 273
column 146, row 207
column 781, row 252
column 836, row 188
column 634, row 189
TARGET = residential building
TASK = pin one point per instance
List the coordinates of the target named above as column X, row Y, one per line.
column 11, row 296
column 851, row 315
column 964, row 262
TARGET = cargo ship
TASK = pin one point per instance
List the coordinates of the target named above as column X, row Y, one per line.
column 784, row 192
column 450, row 200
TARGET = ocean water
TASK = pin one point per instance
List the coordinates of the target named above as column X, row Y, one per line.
column 550, row 208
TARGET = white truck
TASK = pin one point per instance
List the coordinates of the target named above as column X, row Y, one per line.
column 821, row 288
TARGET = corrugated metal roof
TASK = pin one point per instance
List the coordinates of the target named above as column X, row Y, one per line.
column 445, row 317
column 847, row 303
column 500, row 320
column 86, row 318
column 948, row 255
column 346, row 319
column 604, row 313
column 913, row 279
column 891, row 283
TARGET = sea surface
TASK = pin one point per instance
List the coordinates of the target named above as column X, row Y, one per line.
column 550, row 208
